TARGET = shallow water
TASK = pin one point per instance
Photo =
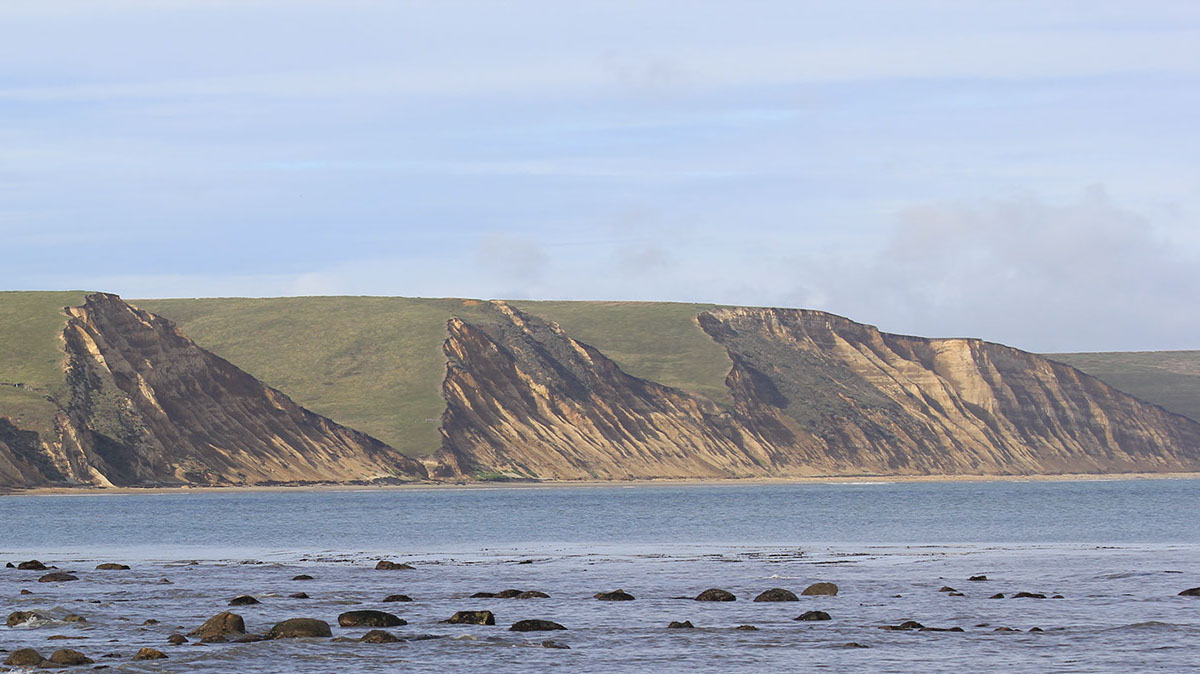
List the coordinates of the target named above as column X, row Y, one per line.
column 1119, row 552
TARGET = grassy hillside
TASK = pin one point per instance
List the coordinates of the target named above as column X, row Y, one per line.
column 376, row 364
column 31, row 327
column 1167, row 378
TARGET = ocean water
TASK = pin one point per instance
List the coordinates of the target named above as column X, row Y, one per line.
column 1118, row 552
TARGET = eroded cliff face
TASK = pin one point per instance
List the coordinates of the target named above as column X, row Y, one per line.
column 814, row 394
column 148, row 406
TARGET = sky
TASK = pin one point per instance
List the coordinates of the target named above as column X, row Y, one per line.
column 1025, row 172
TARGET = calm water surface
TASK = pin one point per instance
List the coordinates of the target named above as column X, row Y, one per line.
column 1118, row 551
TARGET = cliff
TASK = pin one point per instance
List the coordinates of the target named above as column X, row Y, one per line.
column 142, row 404
column 813, row 394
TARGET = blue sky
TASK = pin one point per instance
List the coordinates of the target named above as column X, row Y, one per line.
column 1027, row 172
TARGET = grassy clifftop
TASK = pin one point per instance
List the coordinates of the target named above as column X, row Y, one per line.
column 1170, row 379
column 376, row 363
column 31, row 353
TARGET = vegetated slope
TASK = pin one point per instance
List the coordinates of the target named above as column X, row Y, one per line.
column 140, row 403
column 813, row 394
column 376, row 363
column 1167, row 378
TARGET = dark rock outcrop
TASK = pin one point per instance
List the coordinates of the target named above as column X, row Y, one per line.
column 820, row 590
column 397, row 597
column 299, row 628
column 57, row 577
column 535, row 626
column 676, row 625
column 379, row 637
column 366, row 618
column 777, row 594
column 386, row 565
column 814, row 615
column 243, row 600
column 471, row 618
column 615, row 595
column 221, row 624
column 716, row 594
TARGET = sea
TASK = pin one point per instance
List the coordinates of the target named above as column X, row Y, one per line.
column 1117, row 553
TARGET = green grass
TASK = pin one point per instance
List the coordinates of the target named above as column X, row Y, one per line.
column 659, row 341
column 376, row 363
column 31, row 353
column 1167, row 378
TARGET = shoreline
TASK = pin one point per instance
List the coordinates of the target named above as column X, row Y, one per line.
column 565, row 484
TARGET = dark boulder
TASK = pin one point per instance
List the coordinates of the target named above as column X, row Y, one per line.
column 814, row 615
column 508, row 594
column 214, row 639
column 303, row 576
column 777, row 594
column 716, row 594
column 370, row 619
column 32, row 565
column 295, row 628
column 386, row 565
column 397, row 597
column 1028, row 595
column 941, row 629
column 955, row 594
column 177, row 640
column 484, row 595
column 21, row 617
column 854, row 644
column 471, row 618
column 69, row 658
column 615, row 595
column 10, row 565
column 977, row 578
column 533, row 594
column 249, row 639
column 57, row 577
column 550, row 643
column 222, row 623
column 150, row 654
column 685, row 625
column 109, row 566
column 1190, row 592
column 998, row 595
column 535, row 626
column 75, row 618
column 746, row 628
column 243, row 600
column 298, row 595
column 379, row 637
column 947, row 588
column 820, row 590
column 24, row 657
column 906, row 625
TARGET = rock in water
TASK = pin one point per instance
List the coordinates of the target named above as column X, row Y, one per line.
column 177, row 640
column 397, row 597
column 777, row 594
column 676, row 625
column 222, row 623
column 715, row 594
column 814, row 615
column 615, row 595
column 21, row 617
column 821, row 590
column 386, row 565
column 243, row 600
column 370, row 619
column 298, row 595
column 32, row 565
column 150, row 654
column 746, row 628
column 977, row 578
column 24, row 657
column 535, row 626
column 906, row 625
column 303, row 576
column 998, row 595
column 508, row 594
column 471, row 618
column 295, row 628
column 1190, row 592
column 533, row 594
column 57, row 577
column 109, row 566
column 550, row 643
column 1028, row 595
column 947, row 588
column 379, row 637
column 70, row 658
